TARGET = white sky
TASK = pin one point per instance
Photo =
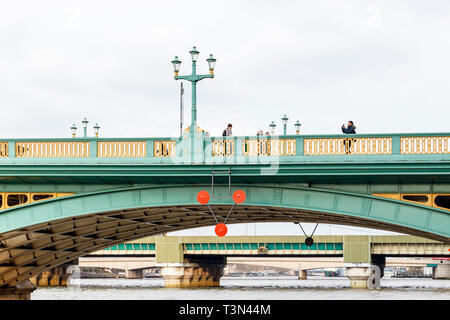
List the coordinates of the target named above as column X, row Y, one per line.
column 383, row 64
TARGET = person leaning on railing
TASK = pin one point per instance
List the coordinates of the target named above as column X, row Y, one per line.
column 227, row 132
column 351, row 129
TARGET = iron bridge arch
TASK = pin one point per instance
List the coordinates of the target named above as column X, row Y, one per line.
column 39, row 236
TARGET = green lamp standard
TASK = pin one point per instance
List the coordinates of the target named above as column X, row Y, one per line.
column 73, row 128
column 297, row 127
column 96, row 129
column 272, row 126
column 194, row 78
column 85, row 123
column 285, row 121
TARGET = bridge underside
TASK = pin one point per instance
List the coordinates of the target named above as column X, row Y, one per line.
column 28, row 251
column 42, row 235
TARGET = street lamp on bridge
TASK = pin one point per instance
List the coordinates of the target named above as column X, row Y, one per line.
column 285, row 121
column 297, row 127
column 73, row 128
column 194, row 78
column 84, row 123
column 272, row 126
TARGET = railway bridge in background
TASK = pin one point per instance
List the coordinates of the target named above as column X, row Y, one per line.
column 175, row 255
column 65, row 198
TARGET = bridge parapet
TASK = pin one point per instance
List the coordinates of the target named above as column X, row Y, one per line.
column 245, row 149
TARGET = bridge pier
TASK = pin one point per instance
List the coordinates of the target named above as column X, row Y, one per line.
column 134, row 274
column 22, row 291
column 358, row 275
column 55, row 277
column 194, row 272
column 442, row 270
column 302, row 275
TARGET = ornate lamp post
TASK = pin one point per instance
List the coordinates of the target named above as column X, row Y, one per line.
column 285, row 121
column 297, row 127
column 73, row 128
column 85, row 123
column 272, row 126
column 194, row 78
column 96, row 129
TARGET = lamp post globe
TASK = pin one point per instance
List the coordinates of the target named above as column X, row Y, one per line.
column 73, row 128
column 272, row 126
column 297, row 127
column 96, row 129
column 211, row 63
column 194, row 54
column 176, row 65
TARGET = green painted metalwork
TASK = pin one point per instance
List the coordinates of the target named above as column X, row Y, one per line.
column 194, row 78
column 196, row 149
column 415, row 218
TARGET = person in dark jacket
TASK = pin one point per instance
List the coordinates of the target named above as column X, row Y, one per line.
column 227, row 132
column 351, row 129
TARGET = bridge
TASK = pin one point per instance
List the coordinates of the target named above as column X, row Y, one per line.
column 64, row 198
column 275, row 251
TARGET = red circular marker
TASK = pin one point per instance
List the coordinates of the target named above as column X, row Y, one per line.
column 203, row 197
column 221, row 229
column 239, row 196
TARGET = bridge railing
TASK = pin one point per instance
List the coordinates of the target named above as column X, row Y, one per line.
column 232, row 149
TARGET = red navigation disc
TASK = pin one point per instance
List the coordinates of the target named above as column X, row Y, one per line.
column 221, row 229
column 203, row 197
column 239, row 196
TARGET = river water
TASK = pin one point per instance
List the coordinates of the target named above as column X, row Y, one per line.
column 261, row 288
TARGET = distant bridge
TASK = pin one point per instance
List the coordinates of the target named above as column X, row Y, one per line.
column 275, row 251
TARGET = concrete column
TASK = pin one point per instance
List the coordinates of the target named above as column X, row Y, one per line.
column 442, row 270
column 358, row 275
column 193, row 272
column 302, row 275
column 380, row 261
column 21, row 291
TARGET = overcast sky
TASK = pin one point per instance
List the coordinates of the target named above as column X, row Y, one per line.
column 383, row 64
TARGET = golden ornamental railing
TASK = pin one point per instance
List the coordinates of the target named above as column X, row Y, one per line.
column 52, row 149
column 268, row 147
column 117, row 149
column 222, row 148
column 424, row 145
column 164, row 148
column 345, row 146
column 3, row 149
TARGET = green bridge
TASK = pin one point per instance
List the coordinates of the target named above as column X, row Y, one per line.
column 65, row 198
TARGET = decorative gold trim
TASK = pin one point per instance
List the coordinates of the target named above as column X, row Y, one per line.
column 346, row 146
column 117, row 149
column 269, row 147
column 30, row 195
column 401, row 197
column 164, row 148
column 424, row 145
column 222, row 148
column 197, row 129
column 52, row 149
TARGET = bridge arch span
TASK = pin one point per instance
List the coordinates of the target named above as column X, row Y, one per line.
column 42, row 235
